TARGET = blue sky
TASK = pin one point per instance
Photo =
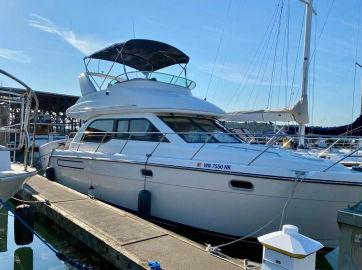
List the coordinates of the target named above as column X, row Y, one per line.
column 43, row 42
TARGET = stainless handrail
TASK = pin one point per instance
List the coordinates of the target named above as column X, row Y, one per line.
column 210, row 135
column 224, row 133
column 329, row 147
column 125, row 144
column 158, row 144
column 340, row 160
column 259, row 155
column 275, row 136
column 189, row 83
column 99, row 145
column 208, row 138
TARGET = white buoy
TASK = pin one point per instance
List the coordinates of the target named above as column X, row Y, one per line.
column 288, row 250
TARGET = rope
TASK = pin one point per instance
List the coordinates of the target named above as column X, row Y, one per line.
column 59, row 255
column 23, row 201
column 217, row 249
column 355, row 65
column 244, row 77
column 311, row 82
column 296, row 62
column 275, row 55
column 287, row 53
column 146, row 163
column 323, row 27
column 7, row 215
column 269, row 41
column 226, row 57
column 353, row 94
column 290, row 197
column 282, row 59
column 46, row 201
column 218, row 50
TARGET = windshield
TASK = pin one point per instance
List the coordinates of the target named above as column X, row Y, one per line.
column 155, row 76
column 199, row 130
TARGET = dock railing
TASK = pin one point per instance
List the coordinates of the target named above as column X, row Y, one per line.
column 13, row 139
column 336, row 148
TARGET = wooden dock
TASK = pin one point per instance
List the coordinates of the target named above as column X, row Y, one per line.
column 123, row 239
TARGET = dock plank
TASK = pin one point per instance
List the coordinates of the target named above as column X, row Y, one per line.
column 126, row 240
column 121, row 228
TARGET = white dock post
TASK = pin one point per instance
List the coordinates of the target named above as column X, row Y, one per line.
column 288, row 250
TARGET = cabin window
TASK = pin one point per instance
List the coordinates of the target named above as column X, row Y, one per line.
column 218, row 132
column 138, row 130
column 99, row 131
column 122, row 129
column 199, row 130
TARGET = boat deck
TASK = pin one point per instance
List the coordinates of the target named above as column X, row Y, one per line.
column 124, row 239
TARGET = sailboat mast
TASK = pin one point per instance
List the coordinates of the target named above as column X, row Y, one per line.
column 361, row 100
column 360, row 65
column 306, row 61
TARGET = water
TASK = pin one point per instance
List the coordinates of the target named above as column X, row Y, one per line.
column 37, row 255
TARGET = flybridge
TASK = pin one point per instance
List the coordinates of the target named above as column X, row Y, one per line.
column 139, row 60
column 128, row 78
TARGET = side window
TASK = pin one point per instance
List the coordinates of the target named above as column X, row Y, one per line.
column 187, row 129
column 97, row 131
column 143, row 130
column 138, row 130
column 122, row 126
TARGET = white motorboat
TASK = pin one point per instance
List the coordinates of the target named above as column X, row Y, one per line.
column 146, row 131
column 13, row 174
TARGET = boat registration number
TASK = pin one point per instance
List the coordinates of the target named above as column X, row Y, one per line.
column 216, row 166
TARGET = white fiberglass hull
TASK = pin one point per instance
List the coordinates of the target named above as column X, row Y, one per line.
column 205, row 199
column 11, row 181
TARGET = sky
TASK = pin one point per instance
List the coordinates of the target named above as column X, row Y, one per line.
column 244, row 54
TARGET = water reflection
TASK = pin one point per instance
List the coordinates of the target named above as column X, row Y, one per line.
column 23, row 258
column 37, row 255
column 3, row 230
column 11, row 255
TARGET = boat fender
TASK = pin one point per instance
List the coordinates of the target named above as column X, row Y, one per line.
column 154, row 265
column 61, row 256
column 50, row 173
column 24, row 258
column 24, row 234
column 144, row 203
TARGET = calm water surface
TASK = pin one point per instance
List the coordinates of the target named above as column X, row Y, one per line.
column 37, row 255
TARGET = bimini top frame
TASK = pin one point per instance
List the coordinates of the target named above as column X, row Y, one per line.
column 144, row 55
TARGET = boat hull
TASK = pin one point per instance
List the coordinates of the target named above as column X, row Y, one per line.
column 12, row 181
column 206, row 200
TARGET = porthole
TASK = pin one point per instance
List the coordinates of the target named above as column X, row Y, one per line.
column 238, row 184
